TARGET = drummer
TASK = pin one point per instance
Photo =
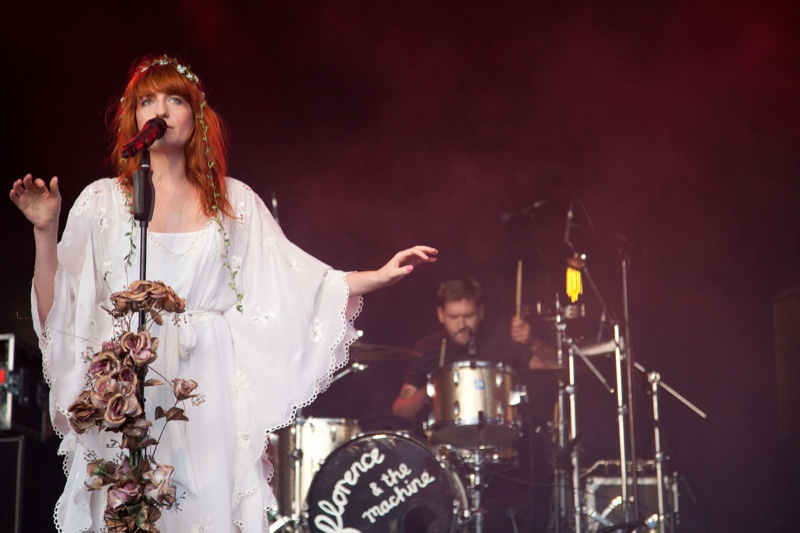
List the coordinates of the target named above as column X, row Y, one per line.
column 460, row 311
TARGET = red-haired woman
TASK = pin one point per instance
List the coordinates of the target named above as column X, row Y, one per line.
column 265, row 326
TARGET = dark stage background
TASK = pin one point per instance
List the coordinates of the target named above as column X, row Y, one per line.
column 380, row 125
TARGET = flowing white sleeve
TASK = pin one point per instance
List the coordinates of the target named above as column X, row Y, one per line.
column 297, row 321
column 76, row 324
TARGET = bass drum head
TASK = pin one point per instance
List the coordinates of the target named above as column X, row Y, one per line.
column 384, row 483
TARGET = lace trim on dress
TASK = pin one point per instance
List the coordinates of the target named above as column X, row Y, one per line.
column 200, row 235
column 44, row 343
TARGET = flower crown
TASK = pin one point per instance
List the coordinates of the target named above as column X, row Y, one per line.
column 182, row 69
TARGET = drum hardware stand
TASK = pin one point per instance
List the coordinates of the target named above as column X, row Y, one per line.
column 631, row 506
column 566, row 393
column 622, row 353
column 354, row 368
column 293, row 521
column 476, row 481
column 654, row 378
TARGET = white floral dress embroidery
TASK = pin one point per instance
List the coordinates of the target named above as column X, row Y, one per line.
column 254, row 368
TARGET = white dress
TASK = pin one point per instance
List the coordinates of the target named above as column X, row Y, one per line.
column 254, row 368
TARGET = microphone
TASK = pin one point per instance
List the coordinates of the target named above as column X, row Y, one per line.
column 153, row 129
column 274, row 208
column 511, row 513
column 472, row 344
column 568, row 225
column 505, row 217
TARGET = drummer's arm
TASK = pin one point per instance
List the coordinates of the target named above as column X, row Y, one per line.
column 409, row 402
column 541, row 354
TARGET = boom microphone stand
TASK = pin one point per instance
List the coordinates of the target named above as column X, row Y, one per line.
column 654, row 378
column 623, row 353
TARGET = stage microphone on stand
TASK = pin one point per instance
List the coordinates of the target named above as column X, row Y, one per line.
column 144, row 193
column 472, row 344
column 568, row 225
column 153, row 129
column 528, row 210
column 274, row 207
column 511, row 513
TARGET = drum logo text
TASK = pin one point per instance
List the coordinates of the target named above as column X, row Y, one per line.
column 340, row 492
column 400, row 493
column 398, row 481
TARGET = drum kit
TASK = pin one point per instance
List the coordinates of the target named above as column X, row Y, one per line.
column 330, row 476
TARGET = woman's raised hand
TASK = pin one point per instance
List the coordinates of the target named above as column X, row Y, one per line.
column 40, row 205
column 398, row 267
column 404, row 261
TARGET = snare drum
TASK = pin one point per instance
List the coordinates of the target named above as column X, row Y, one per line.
column 474, row 405
column 297, row 452
column 494, row 460
column 385, row 482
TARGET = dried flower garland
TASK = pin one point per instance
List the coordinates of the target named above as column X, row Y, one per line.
column 139, row 488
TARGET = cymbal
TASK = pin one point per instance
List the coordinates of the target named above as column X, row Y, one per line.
column 363, row 352
column 597, row 348
column 554, row 371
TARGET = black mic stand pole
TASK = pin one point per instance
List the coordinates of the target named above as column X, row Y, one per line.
column 143, row 203
column 631, row 509
column 667, row 515
column 144, row 199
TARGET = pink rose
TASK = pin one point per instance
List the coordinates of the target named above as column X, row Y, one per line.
column 159, row 486
column 140, row 346
column 114, row 416
column 123, row 494
column 104, row 363
column 104, row 389
column 82, row 413
column 127, row 374
column 182, row 388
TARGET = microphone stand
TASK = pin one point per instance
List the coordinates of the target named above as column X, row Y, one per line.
column 144, row 199
column 656, row 383
column 632, row 509
column 143, row 203
column 622, row 353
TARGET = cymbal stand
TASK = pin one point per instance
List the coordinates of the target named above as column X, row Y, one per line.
column 476, row 480
column 577, row 505
column 622, row 411
column 625, row 407
column 566, row 395
column 654, row 378
column 475, row 490
column 293, row 521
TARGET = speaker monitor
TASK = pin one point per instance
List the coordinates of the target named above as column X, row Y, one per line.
column 604, row 500
column 12, row 451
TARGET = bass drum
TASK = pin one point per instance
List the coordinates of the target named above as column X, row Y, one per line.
column 385, row 483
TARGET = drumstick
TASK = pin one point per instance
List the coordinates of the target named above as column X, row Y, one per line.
column 442, row 351
column 519, row 289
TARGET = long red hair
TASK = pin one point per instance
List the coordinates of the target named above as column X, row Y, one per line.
column 204, row 157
